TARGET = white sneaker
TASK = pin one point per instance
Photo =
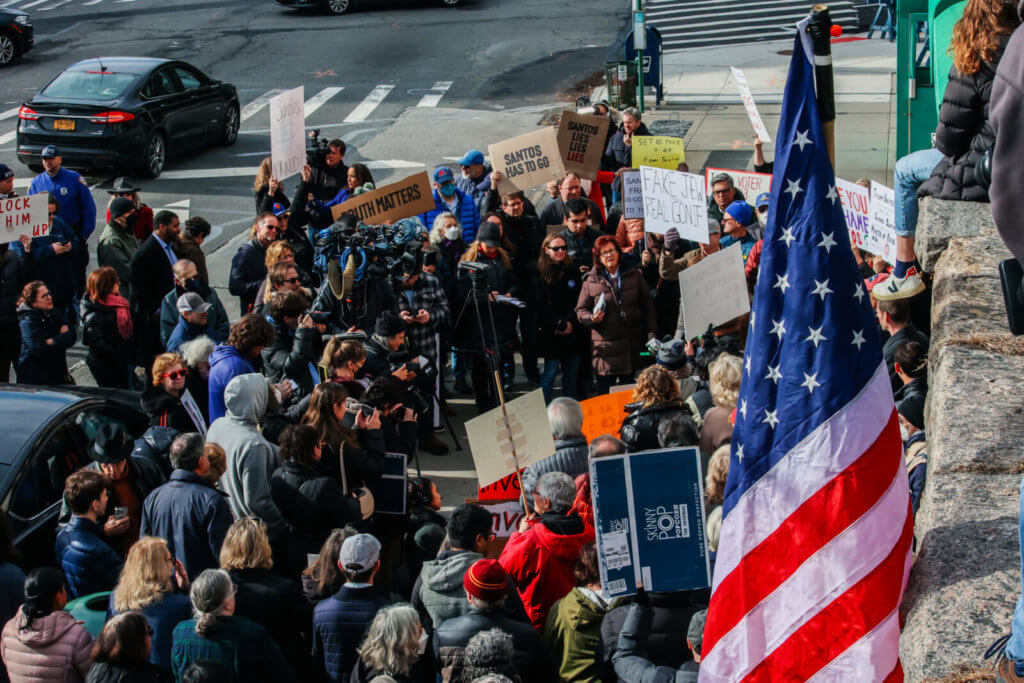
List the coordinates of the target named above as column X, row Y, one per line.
column 900, row 287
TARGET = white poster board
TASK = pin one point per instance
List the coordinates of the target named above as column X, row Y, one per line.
column 882, row 222
column 751, row 184
column 189, row 404
column 288, row 133
column 714, row 291
column 632, row 195
column 856, row 203
column 491, row 441
column 673, row 199
column 24, row 216
column 748, row 104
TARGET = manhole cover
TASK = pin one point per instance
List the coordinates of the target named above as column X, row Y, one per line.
column 674, row 127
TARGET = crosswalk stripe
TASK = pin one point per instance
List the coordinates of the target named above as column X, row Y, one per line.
column 432, row 100
column 13, row 111
column 703, row 6
column 318, row 100
column 7, row 137
column 92, row 2
column 54, row 6
column 33, row 4
column 249, row 110
column 9, row 3
column 372, row 101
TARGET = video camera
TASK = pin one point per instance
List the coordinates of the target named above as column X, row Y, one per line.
column 316, row 148
column 379, row 250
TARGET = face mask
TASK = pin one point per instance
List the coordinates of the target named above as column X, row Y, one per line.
column 762, row 219
column 421, row 646
column 904, row 434
column 452, row 233
column 448, row 189
column 193, row 284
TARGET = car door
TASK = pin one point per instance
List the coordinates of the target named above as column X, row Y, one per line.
column 166, row 101
column 205, row 102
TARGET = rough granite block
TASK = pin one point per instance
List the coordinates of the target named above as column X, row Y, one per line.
column 940, row 220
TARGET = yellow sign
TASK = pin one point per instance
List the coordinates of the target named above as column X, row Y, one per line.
column 661, row 151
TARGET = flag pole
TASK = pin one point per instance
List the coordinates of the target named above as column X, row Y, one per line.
column 820, row 29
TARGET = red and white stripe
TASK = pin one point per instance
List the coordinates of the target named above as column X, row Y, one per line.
column 815, row 555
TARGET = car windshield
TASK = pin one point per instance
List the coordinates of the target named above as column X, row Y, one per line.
column 89, row 85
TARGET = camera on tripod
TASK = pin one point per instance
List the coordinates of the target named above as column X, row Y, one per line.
column 316, row 148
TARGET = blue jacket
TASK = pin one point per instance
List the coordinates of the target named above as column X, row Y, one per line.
column 192, row 516
column 162, row 617
column 226, row 363
column 77, row 207
column 248, row 271
column 39, row 362
column 89, row 564
column 339, row 623
column 184, row 332
column 57, row 271
column 466, row 213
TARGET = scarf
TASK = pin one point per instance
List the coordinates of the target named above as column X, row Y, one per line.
column 124, row 317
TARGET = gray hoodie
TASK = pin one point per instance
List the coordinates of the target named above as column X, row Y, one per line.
column 251, row 459
column 1006, row 112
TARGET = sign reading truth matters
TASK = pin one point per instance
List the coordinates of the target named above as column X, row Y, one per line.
column 406, row 198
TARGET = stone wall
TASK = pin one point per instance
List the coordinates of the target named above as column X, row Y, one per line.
column 966, row 578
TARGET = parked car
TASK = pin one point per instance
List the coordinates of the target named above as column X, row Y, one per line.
column 337, row 6
column 15, row 35
column 47, row 432
column 116, row 113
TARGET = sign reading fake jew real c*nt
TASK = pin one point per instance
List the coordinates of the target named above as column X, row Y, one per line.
column 673, row 199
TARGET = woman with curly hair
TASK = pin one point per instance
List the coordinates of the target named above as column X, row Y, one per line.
column 162, row 398
column 395, row 645
column 655, row 399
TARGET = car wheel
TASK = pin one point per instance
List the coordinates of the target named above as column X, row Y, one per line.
column 8, row 50
column 338, row 6
column 155, row 156
column 229, row 131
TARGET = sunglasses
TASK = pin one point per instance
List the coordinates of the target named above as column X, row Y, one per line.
column 176, row 374
column 562, row 248
column 292, row 280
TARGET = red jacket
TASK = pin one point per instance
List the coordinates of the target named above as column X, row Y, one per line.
column 143, row 223
column 582, row 505
column 541, row 561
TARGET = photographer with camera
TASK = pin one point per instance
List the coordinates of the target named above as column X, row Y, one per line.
column 291, row 356
column 328, row 170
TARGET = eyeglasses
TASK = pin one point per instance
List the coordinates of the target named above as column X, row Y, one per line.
column 561, row 248
column 606, row 254
column 292, row 280
column 717, row 192
column 175, row 374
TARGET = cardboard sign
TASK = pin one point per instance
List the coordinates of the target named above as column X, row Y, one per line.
column 660, row 151
column 604, row 414
column 288, row 133
column 749, row 183
column 581, row 141
column 189, row 404
column 528, row 160
column 506, row 515
column 748, row 104
column 406, row 198
column 882, row 222
column 527, row 434
column 390, row 491
column 856, row 203
column 673, row 199
column 649, row 518
column 632, row 195
column 506, row 488
column 714, row 291
column 25, row 216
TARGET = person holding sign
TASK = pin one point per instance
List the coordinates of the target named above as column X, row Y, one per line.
column 616, row 305
column 162, row 400
column 618, row 153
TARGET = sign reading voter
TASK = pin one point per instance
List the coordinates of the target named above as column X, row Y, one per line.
column 528, row 160
column 749, row 183
column 673, row 199
column 288, row 133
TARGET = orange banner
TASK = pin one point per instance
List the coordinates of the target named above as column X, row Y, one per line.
column 604, row 414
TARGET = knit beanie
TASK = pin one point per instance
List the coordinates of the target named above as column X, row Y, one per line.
column 485, row 580
column 741, row 212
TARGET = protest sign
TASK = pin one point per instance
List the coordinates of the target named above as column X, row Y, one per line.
column 856, row 200
column 748, row 104
column 882, row 222
column 581, row 140
column 288, row 133
column 24, row 216
column 528, row 432
column 389, row 492
column 649, row 519
column 632, row 195
column 714, row 291
column 660, row 151
column 604, row 414
column 505, row 488
column 673, row 199
column 528, row 160
column 409, row 197
column 506, row 515
column 749, row 183
column 190, row 406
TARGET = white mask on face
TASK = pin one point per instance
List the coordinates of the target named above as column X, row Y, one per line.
column 452, row 233
column 904, row 434
column 421, row 646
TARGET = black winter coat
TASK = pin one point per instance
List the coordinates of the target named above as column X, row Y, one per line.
column 666, row 642
column 289, row 357
column 963, row 134
column 531, row 656
column 248, row 271
column 39, row 362
column 556, row 308
column 13, row 276
column 501, row 279
column 275, row 603
column 100, row 334
column 165, row 410
column 640, row 428
column 104, row 672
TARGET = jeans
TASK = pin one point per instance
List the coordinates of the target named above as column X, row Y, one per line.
column 910, row 172
column 1015, row 646
column 570, row 367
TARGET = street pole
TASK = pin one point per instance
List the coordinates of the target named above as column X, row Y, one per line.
column 639, row 43
column 820, row 29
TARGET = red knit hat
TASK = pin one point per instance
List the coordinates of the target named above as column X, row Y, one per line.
column 485, row 580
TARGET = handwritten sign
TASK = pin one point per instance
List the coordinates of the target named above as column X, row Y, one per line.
column 409, row 197
column 528, row 160
column 288, row 133
column 604, row 414
column 714, row 291
column 25, row 216
column 856, row 203
column 581, row 140
column 749, row 183
column 748, row 104
column 673, row 199
column 497, row 448
column 882, row 222
column 189, row 404
column 660, row 151
column 506, row 488
column 632, row 195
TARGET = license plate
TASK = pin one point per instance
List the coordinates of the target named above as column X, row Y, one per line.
column 64, row 124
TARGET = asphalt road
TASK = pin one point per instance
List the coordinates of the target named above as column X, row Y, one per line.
column 407, row 83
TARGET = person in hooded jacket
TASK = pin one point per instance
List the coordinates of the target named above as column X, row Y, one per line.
column 186, row 279
column 655, row 398
column 162, row 398
column 42, row 643
column 45, row 338
column 107, row 331
column 118, row 243
column 14, row 273
column 541, row 555
column 561, row 339
column 248, row 337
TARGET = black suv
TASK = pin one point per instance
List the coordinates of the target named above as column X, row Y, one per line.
column 15, row 35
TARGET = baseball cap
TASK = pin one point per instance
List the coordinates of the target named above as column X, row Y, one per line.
column 473, row 156
column 280, row 209
column 443, row 174
column 49, row 152
column 6, row 172
column 359, row 553
column 763, row 199
column 190, row 302
column 489, row 234
column 119, row 206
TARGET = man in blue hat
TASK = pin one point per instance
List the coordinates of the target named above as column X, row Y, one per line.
column 449, row 198
column 736, row 220
column 475, row 179
column 75, row 205
column 761, row 206
column 6, row 182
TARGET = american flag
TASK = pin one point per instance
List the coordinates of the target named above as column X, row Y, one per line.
column 815, row 545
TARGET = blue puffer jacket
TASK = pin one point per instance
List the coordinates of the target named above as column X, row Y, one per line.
column 90, row 565
column 466, row 212
column 39, row 362
column 226, row 363
column 339, row 623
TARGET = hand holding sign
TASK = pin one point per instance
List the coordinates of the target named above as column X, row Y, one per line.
column 288, row 133
column 528, row 160
column 748, row 104
column 660, row 151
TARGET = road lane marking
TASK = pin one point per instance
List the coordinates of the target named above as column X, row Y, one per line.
column 247, row 171
column 9, row 113
column 432, row 99
column 372, row 101
column 249, row 110
column 33, row 4
column 318, row 100
column 7, row 137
